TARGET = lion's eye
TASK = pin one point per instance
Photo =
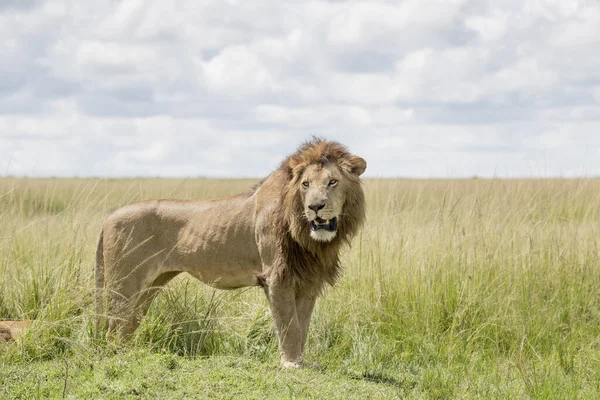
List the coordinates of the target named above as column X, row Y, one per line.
column 305, row 184
column 333, row 182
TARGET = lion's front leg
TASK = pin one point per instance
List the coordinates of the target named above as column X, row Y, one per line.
column 305, row 304
column 282, row 299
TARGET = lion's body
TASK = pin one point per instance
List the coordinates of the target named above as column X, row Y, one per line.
column 252, row 239
column 212, row 240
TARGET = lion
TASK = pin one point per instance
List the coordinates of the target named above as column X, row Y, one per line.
column 285, row 236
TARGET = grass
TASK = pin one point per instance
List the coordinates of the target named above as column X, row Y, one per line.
column 454, row 289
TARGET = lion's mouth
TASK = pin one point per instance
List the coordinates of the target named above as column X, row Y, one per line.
column 326, row 224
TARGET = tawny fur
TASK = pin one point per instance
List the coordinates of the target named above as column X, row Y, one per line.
column 261, row 238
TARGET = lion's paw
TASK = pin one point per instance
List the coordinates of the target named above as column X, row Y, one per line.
column 291, row 365
column 299, row 364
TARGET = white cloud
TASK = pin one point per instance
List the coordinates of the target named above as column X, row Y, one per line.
column 490, row 28
column 236, row 69
column 419, row 88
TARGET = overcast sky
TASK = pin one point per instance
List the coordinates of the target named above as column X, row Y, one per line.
column 419, row 88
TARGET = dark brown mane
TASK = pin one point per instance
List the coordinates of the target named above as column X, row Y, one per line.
column 309, row 262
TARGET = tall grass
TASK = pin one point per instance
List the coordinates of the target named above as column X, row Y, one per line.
column 484, row 287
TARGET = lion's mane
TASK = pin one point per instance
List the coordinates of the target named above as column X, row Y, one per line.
column 308, row 262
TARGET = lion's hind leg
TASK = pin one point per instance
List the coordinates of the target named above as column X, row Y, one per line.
column 121, row 315
column 124, row 287
column 130, row 301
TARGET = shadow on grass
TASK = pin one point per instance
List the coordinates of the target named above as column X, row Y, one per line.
column 378, row 377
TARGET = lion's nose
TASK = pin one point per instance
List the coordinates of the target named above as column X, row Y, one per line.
column 316, row 207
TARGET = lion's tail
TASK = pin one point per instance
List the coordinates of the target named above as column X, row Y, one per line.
column 101, row 306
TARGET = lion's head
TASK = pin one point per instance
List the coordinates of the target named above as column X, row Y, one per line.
column 324, row 201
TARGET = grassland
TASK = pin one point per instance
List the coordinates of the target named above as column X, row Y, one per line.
column 455, row 289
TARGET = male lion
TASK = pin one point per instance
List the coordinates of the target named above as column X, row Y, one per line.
column 284, row 236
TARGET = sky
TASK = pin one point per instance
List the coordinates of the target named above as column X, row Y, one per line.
column 419, row 88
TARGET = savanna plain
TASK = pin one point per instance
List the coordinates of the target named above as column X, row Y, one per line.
column 454, row 289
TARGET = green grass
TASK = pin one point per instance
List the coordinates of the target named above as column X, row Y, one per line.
column 454, row 289
column 142, row 374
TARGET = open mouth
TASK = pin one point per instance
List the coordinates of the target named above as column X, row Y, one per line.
column 329, row 225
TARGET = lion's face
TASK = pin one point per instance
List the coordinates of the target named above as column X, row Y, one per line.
column 323, row 202
column 323, row 192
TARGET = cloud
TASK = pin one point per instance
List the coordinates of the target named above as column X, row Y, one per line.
column 18, row 4
column 188, row 88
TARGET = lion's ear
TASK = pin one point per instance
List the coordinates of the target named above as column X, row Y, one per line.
column 355, row 165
